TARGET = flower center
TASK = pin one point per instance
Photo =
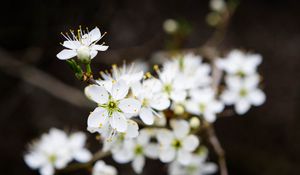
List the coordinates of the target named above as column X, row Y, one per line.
column 83, row 53
column 202, row 107
column 243, row 92
column 168, row 88
column 241, row 73
column 176, row 144
column 145, row 102
column 138, row 150
column 111, row 107
column 52, row 158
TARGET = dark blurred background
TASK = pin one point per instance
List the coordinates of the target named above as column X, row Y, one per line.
column 265, row 141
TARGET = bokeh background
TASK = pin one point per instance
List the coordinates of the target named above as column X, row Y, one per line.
column 265, row 141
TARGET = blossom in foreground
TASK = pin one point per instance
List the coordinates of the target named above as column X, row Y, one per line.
column 55, row 150
column 83, row 45
column 240, row 63
column 203, row 103
column 152, row 99
column 101, row 168
column 178, row 144
column 114, row 107
column 242, row 93
column 135, row 150
column 197, row 166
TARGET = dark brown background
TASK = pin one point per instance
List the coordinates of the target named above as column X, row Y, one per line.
column 265, row 141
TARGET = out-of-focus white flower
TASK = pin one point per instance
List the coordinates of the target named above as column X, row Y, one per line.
column 203, row 103
column 128, row 74
column 149, row 93
column 55, row 150
column 135, row 150
column 83, row 45
column 243, row 92
column 194, row 122
column 240, row 63
column 197, row 166
column 190, row 70
column 113, row 108
column 177, row 145
column 217, row 5
column 101, row 168
column 170, row 26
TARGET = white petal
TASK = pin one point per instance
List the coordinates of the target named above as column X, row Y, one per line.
column 119, row 90
column 184, row 157
column 138, row 164
column 130, row 105
column 192, row 107
column 160, row 101
column 82, row 155
column 210, row 116
column 242, row 106
column 96, row 93
column 209, row 168
column 257, row 97
column 190, row 143
column 47, row 170
column 233, row 82
column 98, row 118
column 167, row 155
column 71, row 44
column 95, row 34
column 93, row 53
column 99, row 47
column 178, row 95
column 252, row 81
column 165, row 137
column 147, row 116
column 123, row 156
column 34, row 160
column 132, row 129
column 66, row 54
column 152, row 150
column 181, row 128
column 118, row 122
column 77, row 140
column 229, row 97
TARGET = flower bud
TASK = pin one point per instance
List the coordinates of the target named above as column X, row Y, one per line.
column 194, row 122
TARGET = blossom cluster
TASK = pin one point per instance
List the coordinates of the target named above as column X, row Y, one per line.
column 155, row 115
column 55, row 150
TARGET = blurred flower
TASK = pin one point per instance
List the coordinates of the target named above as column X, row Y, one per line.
column 83, row 45
column 239, row 63
column 100, row 168
column 197, row 166
column 113, row 108
column 177, row 144
column 194, row 122
column 55, row 150
column 149, row 94
column 203, row 103
column 135, row 150
column 243, row 92
column 217, row 5
column 170, row 26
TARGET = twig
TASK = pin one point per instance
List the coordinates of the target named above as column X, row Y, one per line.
column 42, row 80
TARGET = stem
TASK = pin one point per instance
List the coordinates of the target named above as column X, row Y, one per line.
column 88, row 68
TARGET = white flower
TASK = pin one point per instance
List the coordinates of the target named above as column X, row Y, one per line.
column 239, row 63
column 113, row 108
column 152, row 99
column 243, row 92
column 77, row 147
column 129, row 75
column 203, row 103
column 135, row 150
column 172, row 85
column 83, row 45
column 197, row 166
column 177, row 145
column 55, row 150
column 100, row 168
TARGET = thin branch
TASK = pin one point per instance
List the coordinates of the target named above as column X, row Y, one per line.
column 42, row 80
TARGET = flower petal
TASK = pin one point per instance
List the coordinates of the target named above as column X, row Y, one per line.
column 82, row 155
column 160, row 101
column 77, row 140
column 152, row 150
column 71, row 44
column 242, row 106
column 130, row 106
column 181, row 128
column 147, row 116
column 99, row 47
column 184, row 157
column 96, row 93
column 95, row 34
column 132, row 129
column 119, row 90
column 47, row 170
column 118, row 122
column 98, row 118
column 66, row 54
column 190, row 143
column 138, row 164
column 164, row 137
column 167, row 155
column 257, row 97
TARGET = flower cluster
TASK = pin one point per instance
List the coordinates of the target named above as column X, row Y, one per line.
column 242, row 80
column 55, row 150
